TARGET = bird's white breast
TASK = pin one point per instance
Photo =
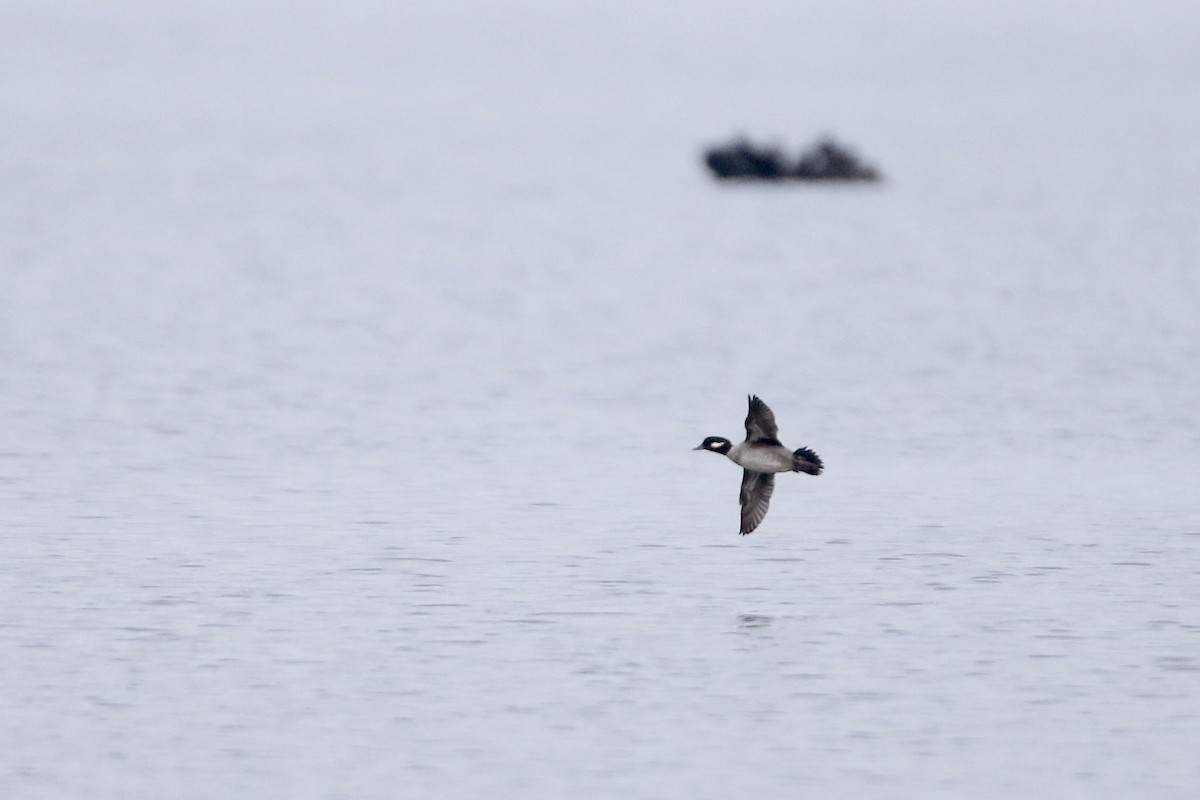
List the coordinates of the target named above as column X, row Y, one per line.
column 761, row 459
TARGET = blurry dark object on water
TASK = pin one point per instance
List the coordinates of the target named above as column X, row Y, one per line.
column 824, row 161
column 744, row 160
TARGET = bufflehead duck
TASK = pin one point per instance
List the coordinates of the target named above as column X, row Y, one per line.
column 761, row 456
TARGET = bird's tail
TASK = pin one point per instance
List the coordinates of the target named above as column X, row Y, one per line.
column 805, row 460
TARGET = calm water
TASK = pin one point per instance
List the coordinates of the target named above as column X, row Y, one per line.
column 352, row 362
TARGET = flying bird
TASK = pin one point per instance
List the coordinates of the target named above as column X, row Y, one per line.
column 761, row 456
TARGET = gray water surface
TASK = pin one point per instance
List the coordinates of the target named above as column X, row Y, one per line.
column 352, row 362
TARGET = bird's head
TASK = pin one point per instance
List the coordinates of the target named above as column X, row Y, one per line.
column 717, row 444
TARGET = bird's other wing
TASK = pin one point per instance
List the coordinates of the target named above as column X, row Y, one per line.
column 755, row 497
column 760, row 423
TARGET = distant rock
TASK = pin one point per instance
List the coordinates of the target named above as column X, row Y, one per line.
column 826, row 160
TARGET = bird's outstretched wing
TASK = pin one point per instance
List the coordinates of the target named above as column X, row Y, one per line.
column 755, row 497
column 760, row 423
